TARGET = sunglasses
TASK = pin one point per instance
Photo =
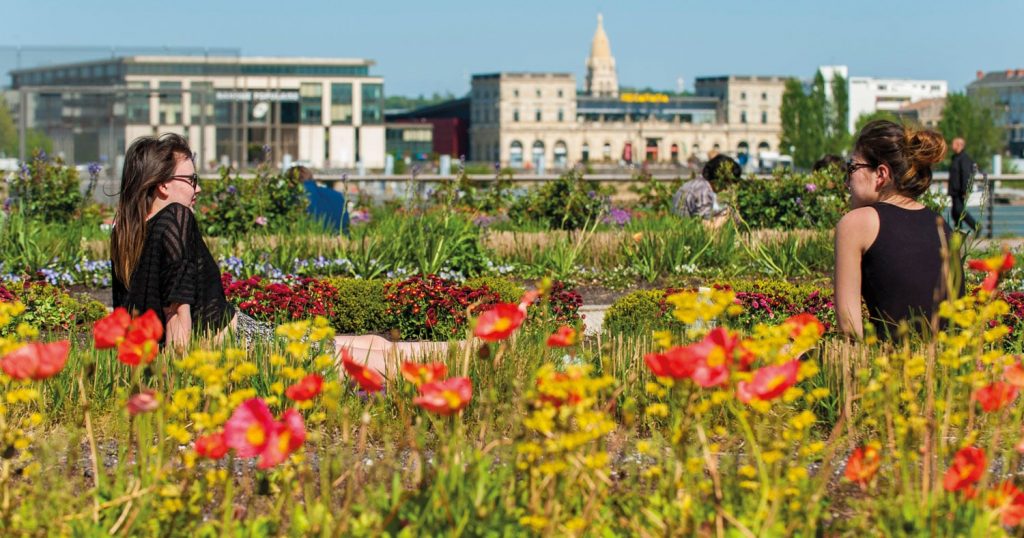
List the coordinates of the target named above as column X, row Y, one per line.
column 192, row 179
column 852, row 166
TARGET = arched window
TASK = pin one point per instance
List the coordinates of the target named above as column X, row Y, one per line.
column 515, row 154
column 561, row 154
column 764, row 146
column 606, row 151
column 538, row 154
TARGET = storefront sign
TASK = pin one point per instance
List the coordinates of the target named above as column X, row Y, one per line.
column 259, row 95
column 643, row 98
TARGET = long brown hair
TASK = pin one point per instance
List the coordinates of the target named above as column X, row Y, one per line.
column 909, row 153
column 148, row 162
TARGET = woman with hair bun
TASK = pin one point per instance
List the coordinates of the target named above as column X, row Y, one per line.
column 888, row 247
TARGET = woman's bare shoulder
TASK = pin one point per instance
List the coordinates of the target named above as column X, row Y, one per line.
column 859, row 225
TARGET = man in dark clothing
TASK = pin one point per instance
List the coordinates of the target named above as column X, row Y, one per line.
column 961, row 172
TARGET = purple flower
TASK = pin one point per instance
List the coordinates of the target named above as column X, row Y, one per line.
column 618, row 217
column 483, row 221
column 42, row 155
column 799, row 201
column 359, row 216
column 811, row 187
column 497, row 166
column 95, row 168
column 7, row 204
column 232, row 189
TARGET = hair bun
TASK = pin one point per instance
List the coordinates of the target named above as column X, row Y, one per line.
column 923, row 148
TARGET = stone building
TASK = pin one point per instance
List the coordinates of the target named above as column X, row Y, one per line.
column 539, row 120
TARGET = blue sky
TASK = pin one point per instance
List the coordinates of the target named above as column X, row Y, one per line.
column 423, row 47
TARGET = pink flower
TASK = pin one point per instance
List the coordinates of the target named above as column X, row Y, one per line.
column 143, row 402
column 261, row 220
column 250, row 428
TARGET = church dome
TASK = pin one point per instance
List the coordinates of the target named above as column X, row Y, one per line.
column 599, row 47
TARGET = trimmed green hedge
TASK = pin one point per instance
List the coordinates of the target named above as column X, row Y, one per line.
column 360, row 306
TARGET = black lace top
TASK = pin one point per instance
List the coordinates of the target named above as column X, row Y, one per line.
column 176, row 267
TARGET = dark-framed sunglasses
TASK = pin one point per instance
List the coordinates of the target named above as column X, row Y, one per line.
column 191, row 179
column 852, row 166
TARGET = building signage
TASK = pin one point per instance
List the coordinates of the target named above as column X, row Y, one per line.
column 643, row 98
column 260, row 95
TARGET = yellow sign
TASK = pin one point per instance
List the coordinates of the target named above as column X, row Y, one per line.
column 643, row 98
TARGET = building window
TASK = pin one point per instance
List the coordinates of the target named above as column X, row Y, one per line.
column 515, row 93
column 743, row 117
column 537, row 115
column 561, row 115
column 201, row 93
column 170, row 104
column 341, row 103
column 373, row 104
column 515, row 154
column 764, row 96
column 560, row 93
column 538, row 92
column 515, row 115
column 311, row 103
column 137, row 106
column 743, row 96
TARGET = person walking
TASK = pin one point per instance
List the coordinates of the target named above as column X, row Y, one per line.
column 961, row 172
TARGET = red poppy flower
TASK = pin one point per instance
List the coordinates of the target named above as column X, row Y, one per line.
column 445, row 397
column 499, row 322
column 308, row 387
column 802, row 322
column 1008, row 502
column 769, row 382
column 109, row 331
column 863, row 464
column 36, row 360
column 565, row 336
column 289, row 434
column 418, row 374
column 143, row 402
column 678, row 362
column 995, row 396
column 528, row 299
column 1014, row 374
column 967, row 468
column 212, row 446
column 368, row 378
column 136, row 349
column 715, row 354
column 994, row 267
column 250, row 428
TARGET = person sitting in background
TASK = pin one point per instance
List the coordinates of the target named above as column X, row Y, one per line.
column 829, row 160
column 326, row 205
column 697, row 198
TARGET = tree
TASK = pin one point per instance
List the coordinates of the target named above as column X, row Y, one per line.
column 8, row 132
column 813, row 124
column 865, row 119
column 973, row 118
column 839, row 135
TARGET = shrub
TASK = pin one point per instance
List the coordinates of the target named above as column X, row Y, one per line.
column 232, row 206
column 46, row 189
column 506, row 290
column 428, row 307
column 637, row 312
column 567, row 203
column 298, row 298
column 790, row 201
column 52, row 308
column 359, row 306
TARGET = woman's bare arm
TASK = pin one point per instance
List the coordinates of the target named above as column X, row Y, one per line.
column 855, row 232
column 179, row 325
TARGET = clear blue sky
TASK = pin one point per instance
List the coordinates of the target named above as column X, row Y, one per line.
column 423, row 47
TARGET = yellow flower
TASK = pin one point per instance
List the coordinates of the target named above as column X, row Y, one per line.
column 747, row 471
column 651, row 472
column 179, row 434
column 536, row 523
column 657, row 410
column 644, row 447
column 772, row 456
column 749, row 484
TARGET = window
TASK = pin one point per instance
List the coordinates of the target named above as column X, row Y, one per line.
column 537, row 115
column 373, row 104
column 764, row 117
column 515, row 93
column 764, row 96
column 560, row 93
column 311, row 103
column 137, row 108
column 201, row 93
column 561, row 115
column 341, row 103
column 743, row 117
column 170, row 104
column 538, row 92
column 515, row 115
column 743, row 96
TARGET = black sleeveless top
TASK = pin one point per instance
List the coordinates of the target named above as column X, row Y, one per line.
column 176, row 267
column 901, row 272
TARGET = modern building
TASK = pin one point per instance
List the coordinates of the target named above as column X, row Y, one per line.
column 869, row 95
column 325, row 112
column 539, row 120
column 1007, row 88
column 449, row 123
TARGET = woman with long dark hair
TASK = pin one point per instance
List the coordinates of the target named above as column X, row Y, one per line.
column 889, row 247
column 160, row 261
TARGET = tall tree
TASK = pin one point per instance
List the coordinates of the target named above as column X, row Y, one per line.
column 973, row 118
column 792, row 112
column 839, row 111
column 864, row 119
